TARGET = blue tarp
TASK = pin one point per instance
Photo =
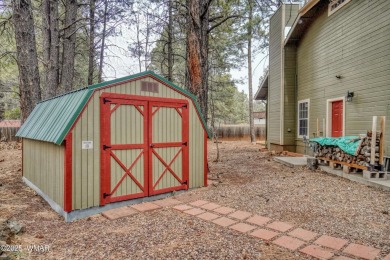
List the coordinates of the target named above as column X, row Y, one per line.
column 349, row 144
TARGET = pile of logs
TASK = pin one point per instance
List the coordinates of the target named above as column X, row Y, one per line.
column 361, row 157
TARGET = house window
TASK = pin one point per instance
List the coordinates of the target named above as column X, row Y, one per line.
column 149, row 86
column 303, row 117
column 335, row 5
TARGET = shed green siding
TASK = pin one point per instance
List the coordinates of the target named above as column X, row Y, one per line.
column 43, row 165
column 354, row 43
column 86, row 163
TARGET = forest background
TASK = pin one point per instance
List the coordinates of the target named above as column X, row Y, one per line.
column 50, row 47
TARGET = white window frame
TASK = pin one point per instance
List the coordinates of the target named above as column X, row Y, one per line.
column 308, row 117
column 329, row 115
column 340, row 5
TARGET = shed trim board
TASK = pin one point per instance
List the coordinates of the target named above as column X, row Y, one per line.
column 68, row 173
column 205, row 160
column 22, row 157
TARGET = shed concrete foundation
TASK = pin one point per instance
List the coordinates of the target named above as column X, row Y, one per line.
column 84, row 213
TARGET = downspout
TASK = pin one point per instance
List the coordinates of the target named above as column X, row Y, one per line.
column 281, row 122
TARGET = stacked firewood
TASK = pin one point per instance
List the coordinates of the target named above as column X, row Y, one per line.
column 361, row 157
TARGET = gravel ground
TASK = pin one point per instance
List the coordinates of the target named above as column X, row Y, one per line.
column 248, row 180
column 316, row 201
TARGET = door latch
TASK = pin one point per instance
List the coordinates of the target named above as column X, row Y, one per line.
column 152, row 145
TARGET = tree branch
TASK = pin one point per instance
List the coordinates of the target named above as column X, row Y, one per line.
column 206, row 8
column 221, row 22
column 212, row 19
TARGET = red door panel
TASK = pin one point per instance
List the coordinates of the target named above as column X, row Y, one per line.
column 337, row 118
column 168, row 153
column 124, row 151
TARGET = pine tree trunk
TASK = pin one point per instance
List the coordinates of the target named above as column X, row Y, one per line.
column 204, row 97
column 139, row 47
column 46, row 42
column 102, row 47
column 170, row 49
column 197, row 51
column 53, row 72
column 251, row 123
column 91, row 56
column 69, row 45
column 193, row 46
column 147, row 36
column 29, row 83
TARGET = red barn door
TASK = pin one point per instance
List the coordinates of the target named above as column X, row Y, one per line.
column 144, row 144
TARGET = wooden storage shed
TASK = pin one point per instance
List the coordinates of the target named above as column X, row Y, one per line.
column 119, row 140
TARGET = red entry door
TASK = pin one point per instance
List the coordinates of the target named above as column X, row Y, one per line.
column 144, row 144
column 337, row 118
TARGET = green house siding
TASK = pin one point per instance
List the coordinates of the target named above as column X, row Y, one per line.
column 275, row 74
column 290, row 105
column 354, row 43
column 86, row 162
column 281, row 90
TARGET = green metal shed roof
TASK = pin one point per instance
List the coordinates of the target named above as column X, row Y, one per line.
column 52, row 119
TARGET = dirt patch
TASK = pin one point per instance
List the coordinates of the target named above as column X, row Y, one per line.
column 245, row 178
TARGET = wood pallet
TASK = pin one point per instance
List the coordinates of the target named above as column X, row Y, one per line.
column 347, row 167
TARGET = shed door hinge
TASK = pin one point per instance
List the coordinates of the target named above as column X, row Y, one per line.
column 184, row 106
column 185, row 182
column 184, row 143
column 106, row 147
column 105, row 100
